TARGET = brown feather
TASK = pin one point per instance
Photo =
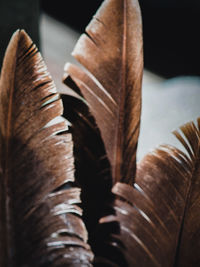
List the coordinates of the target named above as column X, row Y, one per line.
column 111, row 52
column 159, row 217
column 40, row 223
column 92, row 168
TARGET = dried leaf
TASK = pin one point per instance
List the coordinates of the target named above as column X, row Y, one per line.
column 40, row 219
column 111, row 52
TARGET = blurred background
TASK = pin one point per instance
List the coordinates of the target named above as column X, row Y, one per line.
column 171, row 82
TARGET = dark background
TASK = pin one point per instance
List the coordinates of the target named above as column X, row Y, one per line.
column 18, row 14
column 170, row 28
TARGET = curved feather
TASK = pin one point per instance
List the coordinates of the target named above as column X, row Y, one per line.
column 40, row 221
column 159, row 217
column 111, row 52
column 92, row 168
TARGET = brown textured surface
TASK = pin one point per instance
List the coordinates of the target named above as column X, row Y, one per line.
column 111, row 51
column 92, row 168
column 159, row 217
column 40, row 220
